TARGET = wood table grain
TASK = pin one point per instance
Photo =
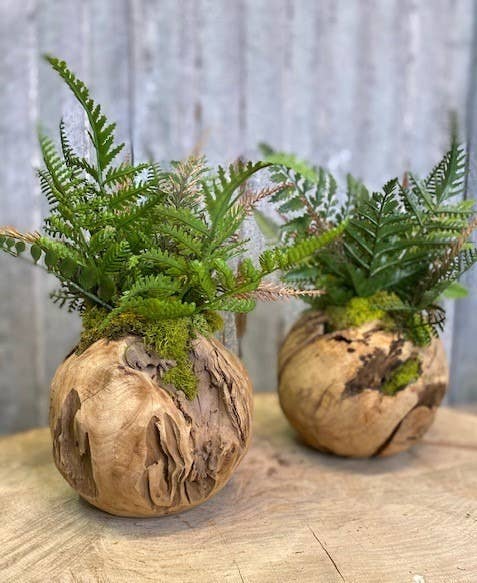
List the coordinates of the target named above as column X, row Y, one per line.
column 289, row 514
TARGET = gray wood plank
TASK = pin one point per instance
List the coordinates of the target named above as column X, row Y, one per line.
column 163, row 57
column 365, row 86
column 220, row 96
column 20, row 334
column 267, row 45
column 464, row 370
column 186, row 61
column 62, row 29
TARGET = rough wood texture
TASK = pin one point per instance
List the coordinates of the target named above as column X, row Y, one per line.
column 289, row 515
column 330, row 388
column 133, row 446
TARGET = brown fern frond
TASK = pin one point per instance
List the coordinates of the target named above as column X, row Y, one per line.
column 271, row 292
column 251, row 197
column 442, row 265
column 184, row 182
column 464, row 236
column 14, row 234
column 405, row 180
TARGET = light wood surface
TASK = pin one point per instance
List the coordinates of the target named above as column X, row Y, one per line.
column 289, row 514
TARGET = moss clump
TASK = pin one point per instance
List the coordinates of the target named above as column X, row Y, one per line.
column 359, row 311
column 402, row 376
column 170, row 339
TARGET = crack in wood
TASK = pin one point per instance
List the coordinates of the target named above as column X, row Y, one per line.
column 327, row 553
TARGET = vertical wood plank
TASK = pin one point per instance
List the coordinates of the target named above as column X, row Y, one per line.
column 267, row 38
column 186, row 60
column 220, row 94
column 365, row 86
column 19, row 334
column 163, row 57
column 62, row 30
column 109, row 63
column 464, row 369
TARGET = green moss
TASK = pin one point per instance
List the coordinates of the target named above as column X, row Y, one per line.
column 359, row 311
column 169, row 338
column 402, row 376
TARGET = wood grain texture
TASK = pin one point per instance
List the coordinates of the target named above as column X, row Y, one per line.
column 464, row 373
column 21, row 380
column 289, row 515
column 330, row 387
column 133, row 445
column 364, row 85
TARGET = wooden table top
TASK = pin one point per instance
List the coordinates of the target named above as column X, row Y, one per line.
column 289, row 514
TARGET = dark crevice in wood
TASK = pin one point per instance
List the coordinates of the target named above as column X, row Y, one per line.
column 377, row 368
column 391, row 436
column 432, row 395
column 430, row 398
column 341, row 338
column 327, row 553
column 71, row 448
column 138, row 357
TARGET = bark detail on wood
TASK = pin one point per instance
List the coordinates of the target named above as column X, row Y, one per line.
column 377, row 367
column 71, row 447
column 150, row 450
column 330, row 388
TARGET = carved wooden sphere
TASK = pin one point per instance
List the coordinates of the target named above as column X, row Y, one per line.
column 132, row 446
column 330, row 388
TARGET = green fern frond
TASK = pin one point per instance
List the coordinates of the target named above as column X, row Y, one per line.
column 154, row 308
column 410, row 240
column 114, row 258
column 237, row 305
column 141, row 249
column 101, row 132
column 153, row 286
column 156, row 258
column 447, row 179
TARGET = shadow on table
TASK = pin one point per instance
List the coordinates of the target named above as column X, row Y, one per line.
column 217, row 510
column 365, row 466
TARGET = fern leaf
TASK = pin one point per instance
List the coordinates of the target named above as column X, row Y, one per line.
column 172, row 265
column 155, row 286
column 115, row 257
column 155, row 308
column 102, row 133
column 231, row 304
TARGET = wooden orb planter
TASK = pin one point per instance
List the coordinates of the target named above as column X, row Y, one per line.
column 330, row 388
column 132, row 446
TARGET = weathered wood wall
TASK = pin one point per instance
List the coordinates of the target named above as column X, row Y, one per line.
column 364, row 85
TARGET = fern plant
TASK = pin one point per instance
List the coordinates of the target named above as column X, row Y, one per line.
column 146, row 250
column 401, row 250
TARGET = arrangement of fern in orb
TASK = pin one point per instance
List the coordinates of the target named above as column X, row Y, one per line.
column 363, row 371
column 150, row 414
